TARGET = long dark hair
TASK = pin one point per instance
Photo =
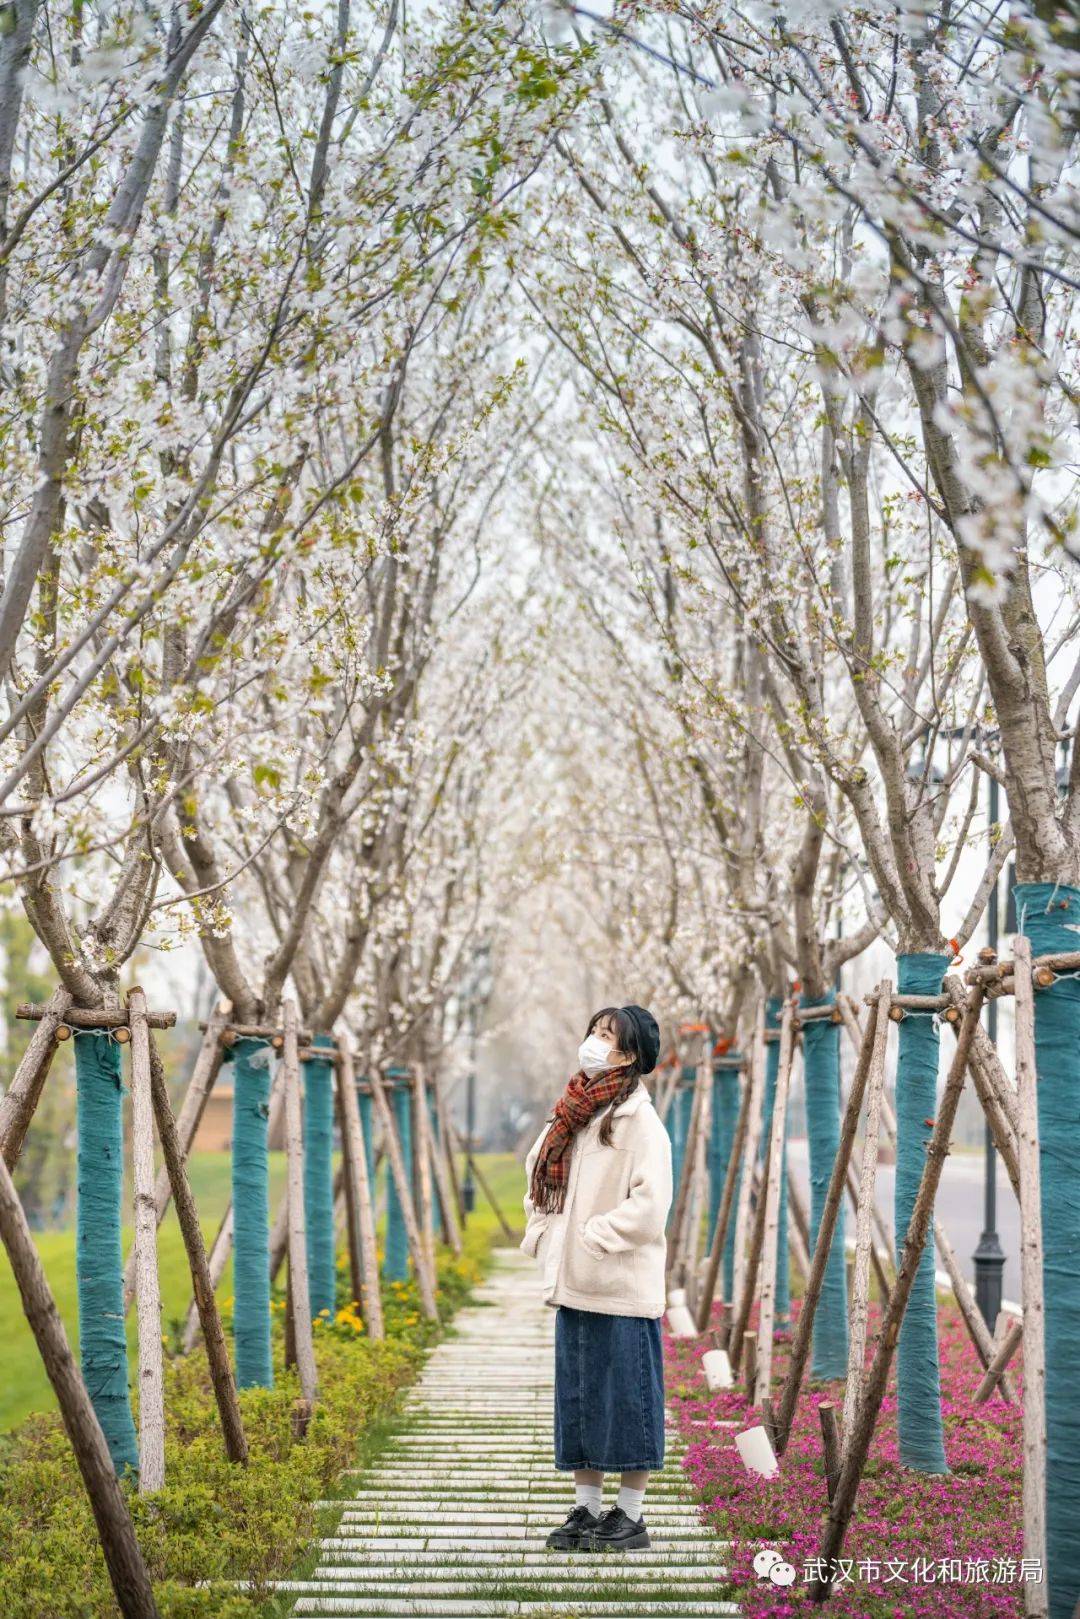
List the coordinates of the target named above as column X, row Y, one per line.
column 626, row 1035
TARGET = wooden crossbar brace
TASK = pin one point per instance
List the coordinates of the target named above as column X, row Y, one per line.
column 93, row 1017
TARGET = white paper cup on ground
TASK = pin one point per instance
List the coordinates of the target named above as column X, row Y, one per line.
column 757, row 1453
column 717, row 1368
column 680, row 1322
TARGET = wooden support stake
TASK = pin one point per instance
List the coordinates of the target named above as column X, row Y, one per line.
column 723, row 1216
column 361, row 1206
column 991, row 1080
column 749, row 1363
column 1003, row 1354
column 969, row 1309
column 691, row 1236
column 421, row 1130
column 482, row 1182
column 123, row 1559
column 857, row 1443
column 798, row 1213
column 147, row 1284
column 801, row 1337
column 202, row 1278
column 771, row 1217
column 830, row 1441
column 20, row 1100
column 290, row 1323
column 203, row 1075
column 864, row 1233
column 852, row 1183
column 446, row 1150
column 768, row 1417
column 345, row 1194
column 440, row 1162
column 757, row 1234
column 217, row 1260
column 1031, row 1276
column 294, row 1154
column 749, row 1161
column 425, row 1279
column 665, row 1094
column 799, row 1252
column 686, row 1176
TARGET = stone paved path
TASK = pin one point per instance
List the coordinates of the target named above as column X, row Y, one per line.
column 452, row 1517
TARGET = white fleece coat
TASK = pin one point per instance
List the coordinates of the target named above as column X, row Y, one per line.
column 606, row 1250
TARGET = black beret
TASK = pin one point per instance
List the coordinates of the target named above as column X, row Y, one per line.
column 648, row 1033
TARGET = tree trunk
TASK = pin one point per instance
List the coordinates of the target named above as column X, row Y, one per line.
column 147, row 1286
column 294, row 1150
column 124, row 1560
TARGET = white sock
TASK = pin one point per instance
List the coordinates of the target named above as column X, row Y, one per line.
column 630, row 1501
column 589, row 1495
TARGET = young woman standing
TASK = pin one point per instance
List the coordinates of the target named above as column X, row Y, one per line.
column 599, row 1191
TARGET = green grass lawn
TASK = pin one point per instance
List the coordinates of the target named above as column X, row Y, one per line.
column 25, row 1388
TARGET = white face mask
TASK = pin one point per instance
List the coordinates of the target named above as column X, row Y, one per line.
column 594, row 1055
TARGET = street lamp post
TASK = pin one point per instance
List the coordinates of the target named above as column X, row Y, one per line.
column 989, row 1257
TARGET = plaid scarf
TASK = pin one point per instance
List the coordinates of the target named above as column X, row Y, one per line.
column 575, row 1107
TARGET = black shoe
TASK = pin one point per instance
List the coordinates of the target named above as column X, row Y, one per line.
column 617, row 1532
column 571, row 1537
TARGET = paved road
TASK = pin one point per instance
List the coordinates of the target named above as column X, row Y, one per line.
column 959, row 1207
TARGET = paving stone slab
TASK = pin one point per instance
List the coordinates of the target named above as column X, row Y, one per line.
column 371, row 1607
column 335, row 1547
column 655, row 1583
column 451, row 1518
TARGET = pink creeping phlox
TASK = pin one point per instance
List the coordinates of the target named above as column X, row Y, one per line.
column 972, row 1513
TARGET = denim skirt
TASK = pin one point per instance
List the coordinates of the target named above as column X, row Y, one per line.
column 609, row 1391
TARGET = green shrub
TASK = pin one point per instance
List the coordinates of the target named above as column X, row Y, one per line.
column 213, row 1522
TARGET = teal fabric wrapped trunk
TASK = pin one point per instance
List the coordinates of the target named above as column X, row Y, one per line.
column 821, row 1067
column 319, row 1179
column 98, row 1258
column 364, row 1099
column 918, row 1381
column 1050, row 917
column 680, row 1109
column 773, row 1008
column 678, row 1124
column 396, row 1264
column 251, row 1213
column 725, row 1115
column 436, row 1199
